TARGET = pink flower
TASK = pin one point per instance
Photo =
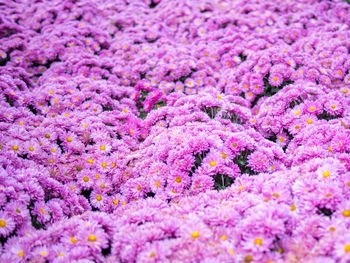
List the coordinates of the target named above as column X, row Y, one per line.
column 275, row 79
column 201, row 183
column 134, row 188
column 7, row 225
column 235, row 144
column 312, row 108
column 342, row 249
column 178, row 181
column 334, row 107
column 258, row 161
column 42, row 211
column 97, row 199
column 194, row 230
column 257, row 244
column 92, row 236
column 85, row 179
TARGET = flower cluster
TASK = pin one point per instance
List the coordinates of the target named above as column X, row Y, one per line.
column 168, row 131
column 300, row 212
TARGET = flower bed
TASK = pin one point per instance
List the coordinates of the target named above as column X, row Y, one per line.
column 175, row 131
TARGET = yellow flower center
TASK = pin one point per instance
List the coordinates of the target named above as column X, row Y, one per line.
column 73, row 240
column 276, row 195
column 312, row 108
column 275, row 79
column 42, row 211
column 152, row 255
column 234, row 145
column 69, row 139
column 31, row 148
column 281, row 139
column 20, row 253
column 90, row 161
column 102, row 147
column 333, row 106
column 98, row 197
column 138, row 188
column 178, row 180
column 2, row 223
column 346, row 213
column 223, row 155
column 223, row 237
column 248, row 258
column 53, row 150
column 332, row 229
column 195, row 234
column 116, row 202
column 309, row 121
column 47, row 136
column 258, row 241
column 92, row 238
column 86, row 179
column 293, row 207
column 347, row 248
column 15, row 147
column 212, row 163
column 326, row 174
column 297, row 127
column 104, row 165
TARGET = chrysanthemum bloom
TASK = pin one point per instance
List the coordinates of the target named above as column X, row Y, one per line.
column 312, row 108
column 275, row 79
column 97, row 199
column 93, row 236
column 258, row 161
column 85, row 179
column 42, row 211
column 334, row 107
column 7, row 225
column 342, row 249
column 201, row 183
column 178, row 181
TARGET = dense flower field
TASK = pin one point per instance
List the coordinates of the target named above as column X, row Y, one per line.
column 175, row 131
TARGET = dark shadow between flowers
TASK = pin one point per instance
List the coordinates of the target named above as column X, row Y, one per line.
column 324, row 211
column 242, row 162
column 326, row 116
column 199, row 158
column 222, row 181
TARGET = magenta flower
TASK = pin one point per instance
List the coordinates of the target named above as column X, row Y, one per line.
column 258, row 161
column 7, row 225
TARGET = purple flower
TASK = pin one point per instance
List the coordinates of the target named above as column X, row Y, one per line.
column 275, row 79
column 7, row 224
